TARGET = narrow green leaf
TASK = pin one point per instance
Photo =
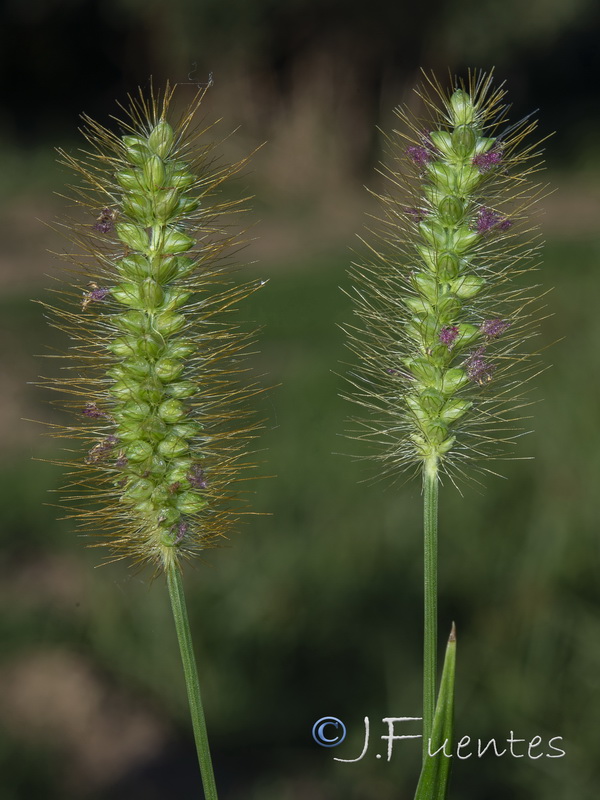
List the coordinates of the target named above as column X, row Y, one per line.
column 435, row 775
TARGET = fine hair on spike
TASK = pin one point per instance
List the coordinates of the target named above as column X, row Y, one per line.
column 154, row 376
column 446, row 308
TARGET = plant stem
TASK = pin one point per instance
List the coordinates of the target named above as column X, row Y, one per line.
column 430, row 520
column 190, row 671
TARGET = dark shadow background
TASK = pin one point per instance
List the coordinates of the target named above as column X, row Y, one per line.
column 316, row 609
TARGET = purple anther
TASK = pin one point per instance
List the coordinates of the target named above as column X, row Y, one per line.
column 104, row 223
column 448, row 335
column 417, row 214
column 121, row 461
column 182, row 529
column 478, row 369
column 421, row 156
column 487, row 161
column 96, row 293
column 488, row 219
column 101, row 450
column 492, row 328
column 91, row 410
column 196, row 477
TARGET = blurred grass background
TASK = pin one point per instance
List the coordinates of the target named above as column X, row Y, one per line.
column 315, row 610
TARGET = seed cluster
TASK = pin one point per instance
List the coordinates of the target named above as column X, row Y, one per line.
column 159, row 378
column 444, row 316
column 150, row 389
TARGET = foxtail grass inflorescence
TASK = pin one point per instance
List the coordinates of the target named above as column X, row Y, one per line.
column 153, row 374
column 446, row 312
column 447, row 320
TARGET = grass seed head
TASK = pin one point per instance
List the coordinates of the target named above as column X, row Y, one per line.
column 446, row 314
column 153, row 373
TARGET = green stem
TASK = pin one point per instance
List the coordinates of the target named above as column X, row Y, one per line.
column 430, row 519
column 186, row 648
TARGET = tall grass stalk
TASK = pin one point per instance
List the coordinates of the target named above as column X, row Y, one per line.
column 153, row 377
column 447, row 310
column 430, row 551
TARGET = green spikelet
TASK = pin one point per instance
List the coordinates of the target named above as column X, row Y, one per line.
column 152, row 371
column 446, row 319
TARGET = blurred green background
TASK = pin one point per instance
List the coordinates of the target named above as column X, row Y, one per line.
column 315, row 609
